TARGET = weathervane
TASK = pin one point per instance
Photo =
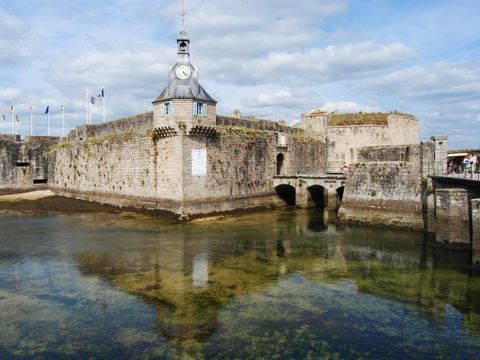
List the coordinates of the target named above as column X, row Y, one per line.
column 184, row 12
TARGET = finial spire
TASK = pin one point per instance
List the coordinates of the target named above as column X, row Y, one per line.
column 184, row 12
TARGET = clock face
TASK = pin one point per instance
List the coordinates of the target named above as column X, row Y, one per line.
column 183, row 72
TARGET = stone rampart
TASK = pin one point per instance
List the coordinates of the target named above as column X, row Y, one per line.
column 390, row 186
column 23, row 163
column 476, row 230
column 156, row 173
column 119, row 169
column 241, row 166
column 383, row 193
column 257, row 124
column 346, row 135
column 138, row 124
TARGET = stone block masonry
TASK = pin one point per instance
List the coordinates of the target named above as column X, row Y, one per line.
column 452, row 222
column 120, row 169
column 476, row 231
column 158, row 173
column 23, row 163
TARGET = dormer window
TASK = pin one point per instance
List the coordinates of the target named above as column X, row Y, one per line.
column 200, row 109
column 166, row 109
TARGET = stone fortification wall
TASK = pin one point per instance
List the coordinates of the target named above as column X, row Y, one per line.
column 241, row 166
column 346, row 133
column 156, row 173
column 386, row 187
column 138, row 124
column 123, row 169
column 257, row 124
column 23, row 162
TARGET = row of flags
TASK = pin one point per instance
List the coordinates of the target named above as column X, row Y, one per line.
column 30, row 110
column 90, row 100
column 100, row 97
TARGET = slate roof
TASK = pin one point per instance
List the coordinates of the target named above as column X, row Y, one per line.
column 178, row 89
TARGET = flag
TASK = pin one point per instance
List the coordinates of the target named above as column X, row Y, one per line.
column 92, row 99
column 62, row 109
column 3, row 117
column 47, row 109
column 12, row 109
column 101, row 95
column 30, row 108
column 18, row 119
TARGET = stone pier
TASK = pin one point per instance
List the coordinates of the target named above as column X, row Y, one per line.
column 476, row 231
column 452, row 222
column 302, row 197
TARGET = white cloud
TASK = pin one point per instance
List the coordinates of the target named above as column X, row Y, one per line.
column 274, row 59
column 349, row 107
column 443, row 81
column 17, row 41
column 10, row 93
column 313, row 66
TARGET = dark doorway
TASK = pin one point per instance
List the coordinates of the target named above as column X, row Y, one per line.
column 286, row 193
column 317, row 195
column 340, row 191
column 280, row 159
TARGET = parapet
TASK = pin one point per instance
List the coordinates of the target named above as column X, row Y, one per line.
column 139, row 124
column 365, row 119
column 258, row 124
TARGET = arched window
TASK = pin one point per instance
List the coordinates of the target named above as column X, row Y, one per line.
column 280, row 159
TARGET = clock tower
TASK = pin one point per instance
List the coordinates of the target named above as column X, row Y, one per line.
column 184, row 104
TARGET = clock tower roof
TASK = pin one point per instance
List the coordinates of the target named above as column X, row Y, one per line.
column 183, row 76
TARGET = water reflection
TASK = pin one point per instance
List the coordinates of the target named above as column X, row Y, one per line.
column 280, row 284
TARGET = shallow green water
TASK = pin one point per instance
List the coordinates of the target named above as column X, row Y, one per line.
column 279, row 285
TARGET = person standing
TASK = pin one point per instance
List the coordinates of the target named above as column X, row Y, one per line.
column 466, row 165
column 474, row 163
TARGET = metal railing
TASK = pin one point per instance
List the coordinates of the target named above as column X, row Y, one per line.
column 458, row 172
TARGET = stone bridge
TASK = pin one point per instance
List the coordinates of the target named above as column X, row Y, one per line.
column 457, row 211
column 322, row 190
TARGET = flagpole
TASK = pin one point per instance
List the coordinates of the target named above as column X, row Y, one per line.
column 13, row 120
column 63, row 121
column 86, row 107
column 48, row 123
column 103, row 98
column 90, row 107
column 31, row 121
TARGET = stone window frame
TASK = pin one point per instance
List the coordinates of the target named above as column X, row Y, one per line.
column 166, row 109
column 199, row 109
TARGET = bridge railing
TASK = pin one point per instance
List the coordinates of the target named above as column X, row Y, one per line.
column 459, row 172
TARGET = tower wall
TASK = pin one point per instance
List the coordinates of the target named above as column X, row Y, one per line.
column 346, row 136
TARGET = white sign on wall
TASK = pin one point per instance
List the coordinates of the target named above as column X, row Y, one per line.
column 199, row 162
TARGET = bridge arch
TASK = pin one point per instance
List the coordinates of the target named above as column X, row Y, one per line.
column 318, row 195
column 287, row 193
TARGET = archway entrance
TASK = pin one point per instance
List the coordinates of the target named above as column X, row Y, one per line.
column 317, row 195
column 287, row 194
column 339, row 192
column 280, row 158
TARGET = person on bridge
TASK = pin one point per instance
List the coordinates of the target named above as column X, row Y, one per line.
column 467, row 166
column 473, row 163
column 344, row 168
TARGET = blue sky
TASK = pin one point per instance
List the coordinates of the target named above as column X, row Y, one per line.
column 274, row 59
